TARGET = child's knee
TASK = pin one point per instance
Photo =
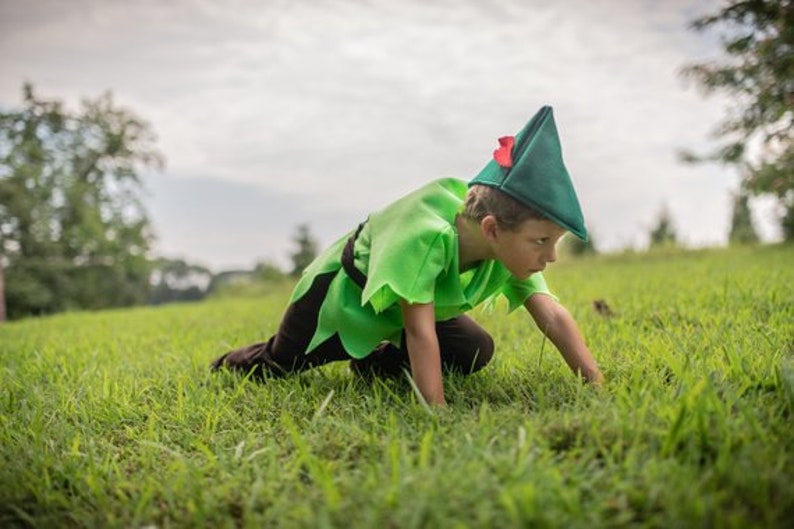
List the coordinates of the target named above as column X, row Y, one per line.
column 476, row 354
column 484, row 351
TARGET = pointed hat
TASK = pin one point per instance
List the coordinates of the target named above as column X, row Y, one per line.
column 530, row 169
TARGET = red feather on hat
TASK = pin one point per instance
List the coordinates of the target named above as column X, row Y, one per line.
column 503, row 155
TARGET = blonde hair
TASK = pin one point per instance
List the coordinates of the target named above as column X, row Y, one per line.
column 483, row 200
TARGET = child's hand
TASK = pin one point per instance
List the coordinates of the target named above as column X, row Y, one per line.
column 556, row 322
column 596, row 379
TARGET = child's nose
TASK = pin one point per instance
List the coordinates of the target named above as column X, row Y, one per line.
column 552, row 255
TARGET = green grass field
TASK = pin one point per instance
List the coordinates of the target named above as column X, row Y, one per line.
column 111, row 419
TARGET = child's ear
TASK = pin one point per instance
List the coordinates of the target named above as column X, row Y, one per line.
column 489, row 226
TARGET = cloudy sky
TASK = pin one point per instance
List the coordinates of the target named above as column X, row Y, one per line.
column 273, row 113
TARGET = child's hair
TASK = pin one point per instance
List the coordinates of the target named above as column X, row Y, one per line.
column 483, row 200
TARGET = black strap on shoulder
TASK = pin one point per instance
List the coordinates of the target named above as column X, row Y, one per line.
column 348, row 260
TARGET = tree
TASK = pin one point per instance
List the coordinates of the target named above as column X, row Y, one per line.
column 177, row 280
column 742, row 228
column 306, row 252
column 269, row 272
column 2, row 294
column 758, row 38
column 73, row 231
column 663, row 234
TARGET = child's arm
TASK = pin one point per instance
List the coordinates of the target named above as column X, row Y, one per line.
column 559, row 326
column 423, row 350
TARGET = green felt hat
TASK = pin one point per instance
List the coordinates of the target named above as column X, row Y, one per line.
column 529, row 168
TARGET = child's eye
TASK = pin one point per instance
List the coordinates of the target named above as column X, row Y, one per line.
column 541, row 242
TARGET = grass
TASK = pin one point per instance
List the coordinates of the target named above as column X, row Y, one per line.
column 111, row 419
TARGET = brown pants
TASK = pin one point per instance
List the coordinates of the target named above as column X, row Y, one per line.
column 465, row 346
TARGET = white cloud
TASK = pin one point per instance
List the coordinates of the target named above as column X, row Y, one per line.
column 344, row 105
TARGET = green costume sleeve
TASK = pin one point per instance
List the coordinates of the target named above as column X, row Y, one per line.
column 517, row 291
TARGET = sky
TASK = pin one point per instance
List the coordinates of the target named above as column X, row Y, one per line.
column 276, row 113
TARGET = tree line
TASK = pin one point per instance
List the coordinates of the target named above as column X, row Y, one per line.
column 73, row 230
column 74, row 233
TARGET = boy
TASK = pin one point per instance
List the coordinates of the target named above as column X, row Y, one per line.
column 393, row 293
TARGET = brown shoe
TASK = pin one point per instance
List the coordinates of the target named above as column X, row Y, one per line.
column 246, row 360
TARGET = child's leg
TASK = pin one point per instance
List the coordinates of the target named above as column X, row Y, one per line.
column 465, row 348
column 285, row 352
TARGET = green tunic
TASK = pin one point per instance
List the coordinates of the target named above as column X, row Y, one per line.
column 408, row 250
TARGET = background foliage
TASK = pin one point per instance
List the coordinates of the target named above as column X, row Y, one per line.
column 758, row 73
column 73, row 230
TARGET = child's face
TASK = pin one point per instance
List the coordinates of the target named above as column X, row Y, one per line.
column 527, row 249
